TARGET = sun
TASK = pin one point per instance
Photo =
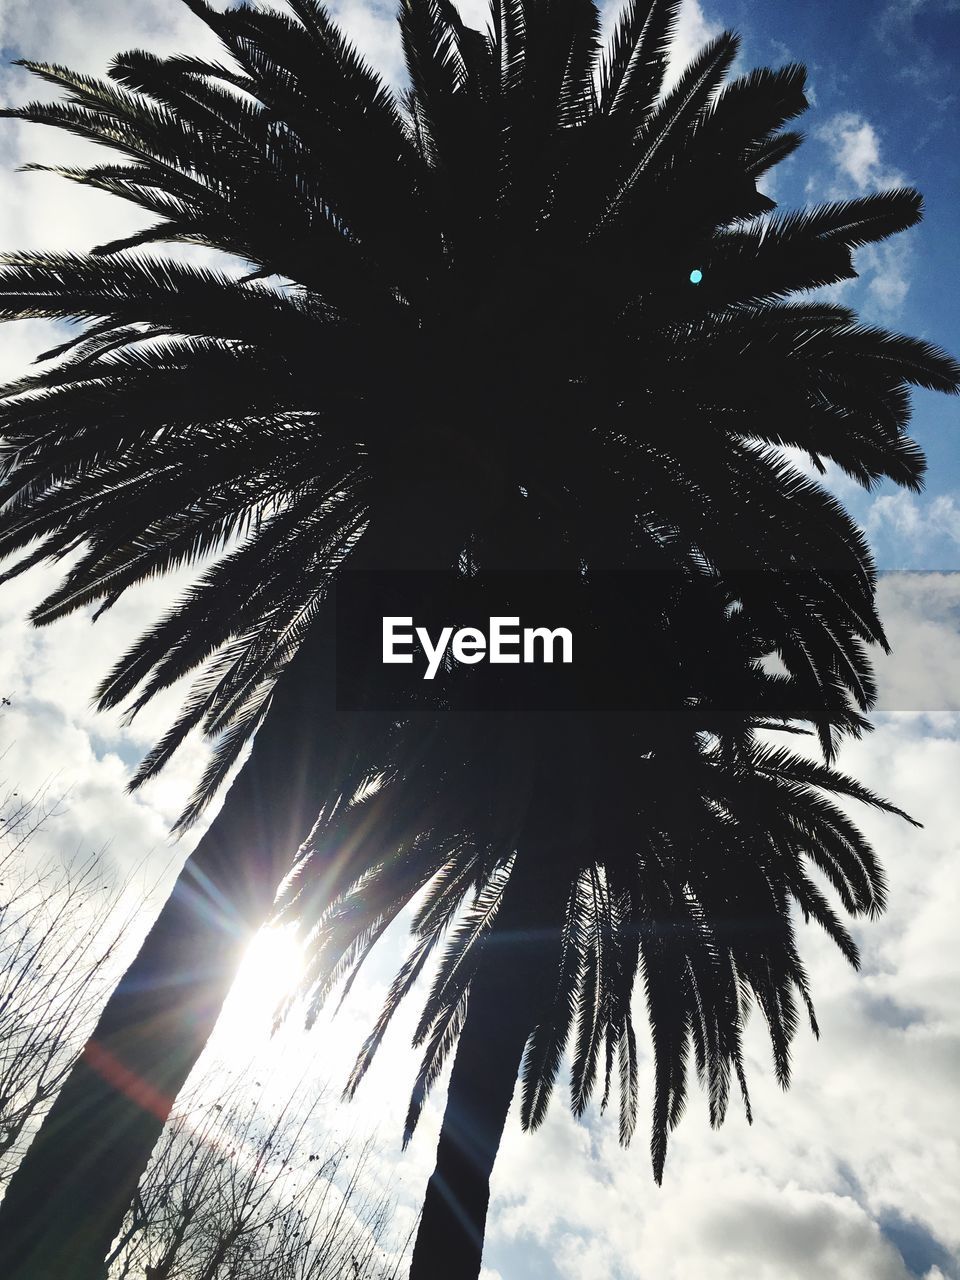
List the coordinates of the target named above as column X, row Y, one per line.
column 269, row 973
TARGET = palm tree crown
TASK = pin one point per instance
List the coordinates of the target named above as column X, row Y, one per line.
column 478, row 296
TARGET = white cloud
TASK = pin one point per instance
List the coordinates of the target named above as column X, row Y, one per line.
column 921, row 616
column 49, row 675
column 833, row 478
column 476, row 13
column 42, row 211
column 921, row 522
column 86, row 34
column 693, row 30
column 854, row 146
column 858, row 168
column 373, row 29
column 21, row 341
column 886, row 268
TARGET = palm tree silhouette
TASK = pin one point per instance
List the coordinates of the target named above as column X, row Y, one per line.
column 590, row 851
column 527, row 309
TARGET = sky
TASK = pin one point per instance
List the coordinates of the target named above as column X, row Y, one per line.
column 854, row 1173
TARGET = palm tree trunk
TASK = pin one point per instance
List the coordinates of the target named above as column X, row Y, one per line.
column 506, row 995
column 66, row 1202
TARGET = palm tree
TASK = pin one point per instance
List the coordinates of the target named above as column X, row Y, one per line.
column 434, row 287
column 591, row 850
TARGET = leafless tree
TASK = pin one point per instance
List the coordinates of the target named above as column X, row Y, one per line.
column 240, row 1190
column 62, row 927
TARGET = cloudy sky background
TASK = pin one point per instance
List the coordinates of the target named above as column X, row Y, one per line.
column 854, row 1173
